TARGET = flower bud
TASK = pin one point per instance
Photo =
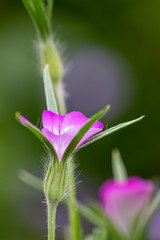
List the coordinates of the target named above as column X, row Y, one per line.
column 126, row 202
column 56, row 181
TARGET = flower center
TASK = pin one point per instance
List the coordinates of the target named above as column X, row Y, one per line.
column 69, row 129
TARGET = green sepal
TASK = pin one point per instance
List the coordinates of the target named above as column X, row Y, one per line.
column 38, row 134
column 118, row 167
column 109, row 131
column 56, row 181
column 83, row 131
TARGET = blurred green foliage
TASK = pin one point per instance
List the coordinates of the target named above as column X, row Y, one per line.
column 130, row 28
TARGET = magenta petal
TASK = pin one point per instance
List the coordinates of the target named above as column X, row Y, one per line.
column 123, row 201
column 59, row 142
column 96, row 127
column 61, row 129
column 52, row 121
column 25, row 121
column 74, row 118
column 79, row 120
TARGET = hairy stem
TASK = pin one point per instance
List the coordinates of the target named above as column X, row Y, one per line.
column 51, row 219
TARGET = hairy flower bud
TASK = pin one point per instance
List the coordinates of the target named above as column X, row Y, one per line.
column 55, row 184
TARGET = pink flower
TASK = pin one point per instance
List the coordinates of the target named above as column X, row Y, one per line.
column 123, row 201
column 61, row 129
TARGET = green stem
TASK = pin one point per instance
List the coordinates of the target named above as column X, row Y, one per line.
column 52, row 206
column 75, row 228
column 50, row 9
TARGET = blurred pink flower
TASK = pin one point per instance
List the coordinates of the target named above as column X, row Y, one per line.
column 61, row 129
column 123, row 201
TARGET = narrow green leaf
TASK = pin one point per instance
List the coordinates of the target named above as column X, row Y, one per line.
column 31, row 180
column 82, row 132
column 91, row 215
column 109, row 131
column 50, row 9
column 39, row 134
column 97, row 217
column 119, row 170
column 39, row 9
column 29, row 8
column 49, row 92
column 40, row 13
column 34, row 17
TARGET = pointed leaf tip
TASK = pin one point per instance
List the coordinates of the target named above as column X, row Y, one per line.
column 108, row 106
column 37, row 132
column 110, row 130
column 17, row 116
column 118, row 167
column 143, row 116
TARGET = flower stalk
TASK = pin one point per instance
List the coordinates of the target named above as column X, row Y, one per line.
column 52, row 207
column 54, row 188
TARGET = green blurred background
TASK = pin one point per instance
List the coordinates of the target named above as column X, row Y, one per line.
column 113, row 50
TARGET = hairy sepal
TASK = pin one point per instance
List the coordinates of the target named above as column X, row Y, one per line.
column 109, row 131
column 56, row 182
column 38, row 134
